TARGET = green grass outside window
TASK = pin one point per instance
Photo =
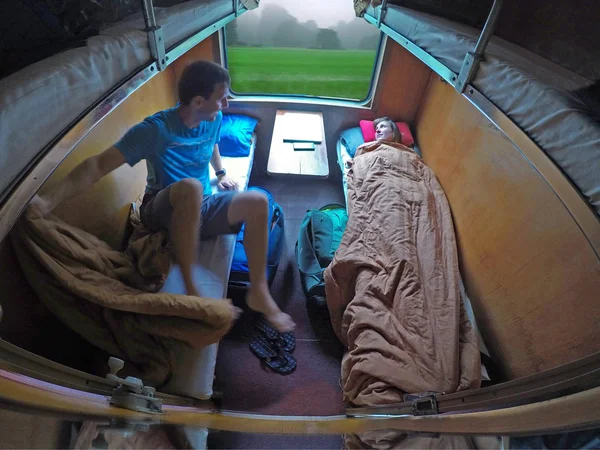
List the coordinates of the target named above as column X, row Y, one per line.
column 341, row 74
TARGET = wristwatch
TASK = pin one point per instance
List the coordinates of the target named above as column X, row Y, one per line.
column 221, row 172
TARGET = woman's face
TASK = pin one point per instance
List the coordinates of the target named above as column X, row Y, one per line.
column 384, row 132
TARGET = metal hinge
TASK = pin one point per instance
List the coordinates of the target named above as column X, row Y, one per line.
column 472, row 59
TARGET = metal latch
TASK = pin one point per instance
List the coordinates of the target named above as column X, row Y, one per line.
column 130, row 392
column 423, row 404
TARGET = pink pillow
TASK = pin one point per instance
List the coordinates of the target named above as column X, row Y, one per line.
column 368, row 131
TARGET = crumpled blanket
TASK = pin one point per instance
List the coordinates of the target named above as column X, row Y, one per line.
column 394, row 439
column 392, row 288
column 110, row 298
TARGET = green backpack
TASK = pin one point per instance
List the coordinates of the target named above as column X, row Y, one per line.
column 320, row 235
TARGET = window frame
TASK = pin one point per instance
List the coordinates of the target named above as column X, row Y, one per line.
column 301, row 98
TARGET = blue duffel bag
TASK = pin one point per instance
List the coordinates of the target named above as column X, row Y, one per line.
column 239, row 277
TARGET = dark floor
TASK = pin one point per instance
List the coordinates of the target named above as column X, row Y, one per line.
column 313, row 389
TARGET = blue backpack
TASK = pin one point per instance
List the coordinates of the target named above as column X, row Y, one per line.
column 239, row 276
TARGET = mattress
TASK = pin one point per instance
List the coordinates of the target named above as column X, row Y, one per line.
column 177, row 22
column 194, row 370
column 40, row 101
column 530, row 90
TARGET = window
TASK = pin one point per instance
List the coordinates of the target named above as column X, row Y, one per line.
column 302, row 47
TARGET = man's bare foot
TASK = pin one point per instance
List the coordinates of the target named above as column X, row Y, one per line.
column 260, row 300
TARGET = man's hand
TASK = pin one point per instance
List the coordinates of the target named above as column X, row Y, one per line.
column 227, row 184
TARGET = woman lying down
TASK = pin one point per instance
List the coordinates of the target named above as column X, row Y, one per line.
column 393, row 286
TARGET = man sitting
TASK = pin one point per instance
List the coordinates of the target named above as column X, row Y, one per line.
column 178, row 144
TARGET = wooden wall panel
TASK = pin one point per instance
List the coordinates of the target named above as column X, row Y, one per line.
column 208, row 50
column 401, row 86
column 102, row 210
column 532, row 276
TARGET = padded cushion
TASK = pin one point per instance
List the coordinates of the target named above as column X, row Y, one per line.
column 236, row 135
column 368, row 132
column 352, row 138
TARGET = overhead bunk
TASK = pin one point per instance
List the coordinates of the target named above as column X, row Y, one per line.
column 44, row 101
column 535, row 93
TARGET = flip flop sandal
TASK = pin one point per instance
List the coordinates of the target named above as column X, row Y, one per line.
column 273, row 357
column 284, row 364
column 262, row 348
column 286, row 340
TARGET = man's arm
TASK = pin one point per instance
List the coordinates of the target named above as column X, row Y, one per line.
column 225, row 183
column 83, row 176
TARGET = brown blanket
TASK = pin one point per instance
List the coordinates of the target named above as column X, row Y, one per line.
column 393, row 286
column 393, row 439
column 107, row 296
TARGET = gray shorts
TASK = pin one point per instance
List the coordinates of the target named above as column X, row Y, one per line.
column 156, row 212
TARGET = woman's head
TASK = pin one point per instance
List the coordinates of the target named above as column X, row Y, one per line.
column 386, row 130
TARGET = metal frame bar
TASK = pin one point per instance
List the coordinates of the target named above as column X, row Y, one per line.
column 155, row 35
column 148, row 11
column 574, row 411
column 18, row 360
column 236, row 7
column 472, row 59
column 382, row 12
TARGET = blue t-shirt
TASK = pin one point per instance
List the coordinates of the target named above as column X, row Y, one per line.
column 172, row 150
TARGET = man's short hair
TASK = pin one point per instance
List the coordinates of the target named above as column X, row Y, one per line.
column 200, row 78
